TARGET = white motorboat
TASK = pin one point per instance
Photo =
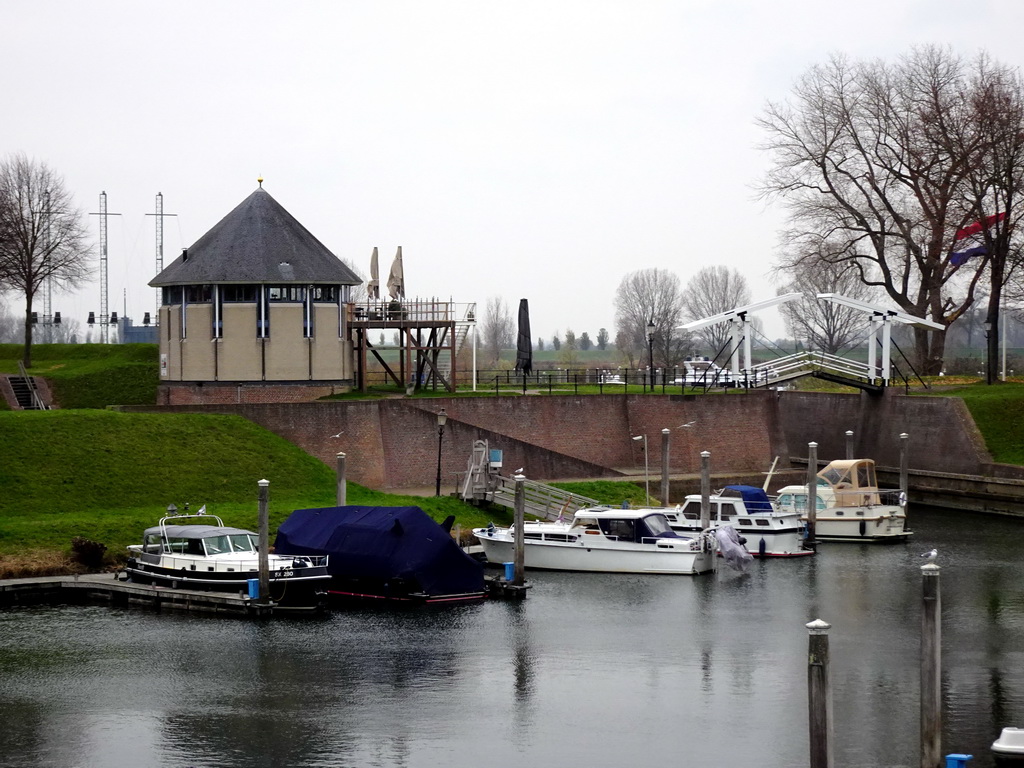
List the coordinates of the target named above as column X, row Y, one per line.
column 850, row 506
column 765, row 529
column 604, row 540
column 213, row 557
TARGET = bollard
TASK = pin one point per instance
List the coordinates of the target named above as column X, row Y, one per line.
column 819, row 694
column 264, row 540
column 664, row 466
column 849, row 444
column 705, row 490
column 931, row 668
column 342, row 493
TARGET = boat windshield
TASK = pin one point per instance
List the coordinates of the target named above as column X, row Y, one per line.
column 657, row 524
column 234, row 542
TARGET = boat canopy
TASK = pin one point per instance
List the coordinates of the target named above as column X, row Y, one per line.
column 754, row 499
column 194, row 531
column 853, row 481
column 380, row 545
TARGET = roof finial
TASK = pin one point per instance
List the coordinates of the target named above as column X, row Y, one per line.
column 260, row 180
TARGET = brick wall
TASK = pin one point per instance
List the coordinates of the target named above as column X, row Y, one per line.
column 222, row 394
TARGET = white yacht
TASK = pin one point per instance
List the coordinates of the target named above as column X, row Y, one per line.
column 604, row 540
column 850, row 506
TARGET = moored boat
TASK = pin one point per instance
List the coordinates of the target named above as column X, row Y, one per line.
column 210, row 556
column 604, row 540
column 385, row 554
column 764, row 528
column 850, row 505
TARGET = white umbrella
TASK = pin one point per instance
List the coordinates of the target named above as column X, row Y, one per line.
column 373, row 287
column 396, row 280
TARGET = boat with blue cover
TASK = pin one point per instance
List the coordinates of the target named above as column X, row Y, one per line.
column 765, row 529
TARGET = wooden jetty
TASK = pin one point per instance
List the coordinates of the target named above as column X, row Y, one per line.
column 108, row 589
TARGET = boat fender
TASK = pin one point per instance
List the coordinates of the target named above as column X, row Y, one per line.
column 742, row 540
column 762, row 547
column 862, row 528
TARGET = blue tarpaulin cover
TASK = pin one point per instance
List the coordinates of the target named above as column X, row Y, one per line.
column 754, row 499
column 389, row 549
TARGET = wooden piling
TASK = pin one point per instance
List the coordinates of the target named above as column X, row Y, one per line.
column 812, row 493
column 519, row 558
column 819, row 694
column 705, row 490
column 904, row 469
column 931, row 668
column 264, row 540
column 342, row 493
column 664, row 466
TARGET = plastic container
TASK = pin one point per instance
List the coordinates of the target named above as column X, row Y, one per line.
column 254, row 589
column 510, row 571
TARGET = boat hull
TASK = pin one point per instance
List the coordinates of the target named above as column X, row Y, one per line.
column 299, row 588
column 668, row 557
column 863, row 525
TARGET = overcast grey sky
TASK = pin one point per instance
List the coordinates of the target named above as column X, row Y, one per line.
column 525, row 149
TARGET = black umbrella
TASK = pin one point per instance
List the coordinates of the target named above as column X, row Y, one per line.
column 524, row 347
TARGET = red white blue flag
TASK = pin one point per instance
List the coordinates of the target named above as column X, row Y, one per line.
column 959, row 257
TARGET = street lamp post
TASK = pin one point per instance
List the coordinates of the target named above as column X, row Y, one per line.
column 442, row 418
column 647, row 471
column 650, row 351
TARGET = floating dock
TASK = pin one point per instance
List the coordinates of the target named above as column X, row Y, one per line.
column 108, row 589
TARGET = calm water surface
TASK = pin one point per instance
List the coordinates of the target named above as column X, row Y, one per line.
column 590, row 670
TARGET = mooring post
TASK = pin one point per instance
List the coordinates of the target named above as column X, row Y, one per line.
column 264, row 540
column 342, row 495
column 849, row 444
column 812, row 493
column 819, row 694
column 705, row 490
column 931, row 668
column 519, row 558
column 664, row 466
column 904, row 469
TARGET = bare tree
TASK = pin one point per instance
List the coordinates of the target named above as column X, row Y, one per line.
column 497, row 328
column 713, row 290
column 42, row 235
column 827, row 327
column 644, row 297
column 872, row 161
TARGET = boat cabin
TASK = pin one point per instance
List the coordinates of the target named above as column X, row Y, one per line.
column 616, row 526
column 740, row 504
column 198, row 540
column 852, row 481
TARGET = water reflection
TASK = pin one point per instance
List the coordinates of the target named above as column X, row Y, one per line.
column 590, row 670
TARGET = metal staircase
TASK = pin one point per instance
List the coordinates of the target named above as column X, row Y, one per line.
column 25, row 391
column 483, row 483
column 444, row 362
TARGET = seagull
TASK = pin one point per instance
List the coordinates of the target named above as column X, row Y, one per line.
column 930, row 555
column 339, row 434
column 518, row 471
column 687, row 424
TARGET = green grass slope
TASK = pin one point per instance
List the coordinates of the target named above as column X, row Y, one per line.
column 998, row 410
column 105, row 476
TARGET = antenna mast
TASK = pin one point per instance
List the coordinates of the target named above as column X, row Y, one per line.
column 159, row 247
column 104, row 280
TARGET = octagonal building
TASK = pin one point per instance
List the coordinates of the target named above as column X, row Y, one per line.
column 254, row 311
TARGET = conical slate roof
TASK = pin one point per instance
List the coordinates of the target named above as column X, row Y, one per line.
column 258, row 242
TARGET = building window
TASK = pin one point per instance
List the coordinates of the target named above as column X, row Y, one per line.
column 218, row 312
column 172, row 295
column 262, row 316
column 325, row 294
column 198, row 294
column 286, row 293
column 239, row 293
column 307, row 316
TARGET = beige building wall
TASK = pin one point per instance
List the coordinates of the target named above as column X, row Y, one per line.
column 330, row 358
column 287, row 352
column 239, row 357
